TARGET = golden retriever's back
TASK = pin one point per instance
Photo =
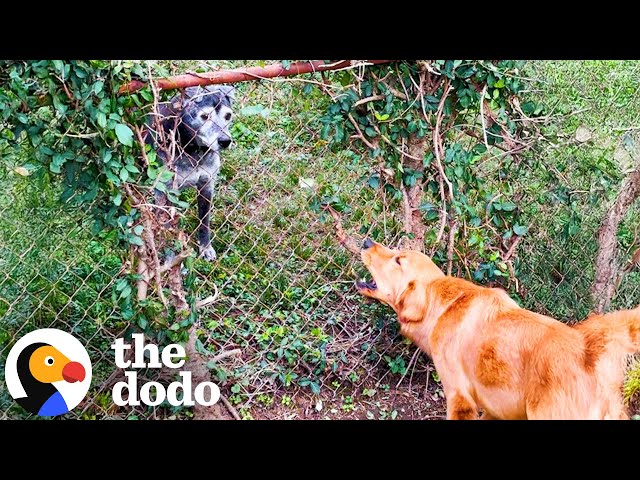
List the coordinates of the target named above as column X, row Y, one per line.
column 493, row 355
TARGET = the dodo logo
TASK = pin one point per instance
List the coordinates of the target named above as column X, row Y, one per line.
column 48, row 372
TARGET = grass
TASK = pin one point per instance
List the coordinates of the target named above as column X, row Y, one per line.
column 572, row 182
column 286, row 287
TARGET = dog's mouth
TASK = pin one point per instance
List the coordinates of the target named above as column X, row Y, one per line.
column 368, row 285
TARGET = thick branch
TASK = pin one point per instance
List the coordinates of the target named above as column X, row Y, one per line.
column 245, row 74
column 607, row 264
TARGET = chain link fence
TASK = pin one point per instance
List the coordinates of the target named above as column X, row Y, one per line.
column 285, row 332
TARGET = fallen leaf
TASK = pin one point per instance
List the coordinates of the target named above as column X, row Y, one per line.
column 583, row 134
column 308, row 183
column 22, row 171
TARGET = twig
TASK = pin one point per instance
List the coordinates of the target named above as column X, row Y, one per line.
column 627, row 129
column 66, row 90
column 413, row 358
column 141, row 141
column 346, row 241
column 507, row 256
column 360, row 134
column 175, row 261
column 228, row 353
column 453, row 229
column 484, row 122
column 372, row 98
column 437, row 148
column 230, row 407
column 210, row 299
column 82, row 135
column 396, row 93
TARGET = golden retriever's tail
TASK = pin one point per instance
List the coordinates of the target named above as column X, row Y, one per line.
column 613, row 335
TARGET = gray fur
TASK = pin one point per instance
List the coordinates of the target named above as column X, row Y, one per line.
column 204, row 117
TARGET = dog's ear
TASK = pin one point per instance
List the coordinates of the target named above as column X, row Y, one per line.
column 412, row 303
column 196, row 94
column 228, row 91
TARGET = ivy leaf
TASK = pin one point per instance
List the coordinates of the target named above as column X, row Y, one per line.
column 520, row 230
column 374, row 181
column 98, row 86
column 124, row 134
column 101, row 118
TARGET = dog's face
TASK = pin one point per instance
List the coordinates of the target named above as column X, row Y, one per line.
column 207, row 115
column 394, row 272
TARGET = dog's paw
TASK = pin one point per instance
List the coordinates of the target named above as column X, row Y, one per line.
column 208, row 254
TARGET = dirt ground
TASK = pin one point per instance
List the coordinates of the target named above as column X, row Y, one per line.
column 402, row 403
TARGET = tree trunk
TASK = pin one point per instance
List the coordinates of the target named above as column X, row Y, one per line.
column 413, row 223
column 608, row 273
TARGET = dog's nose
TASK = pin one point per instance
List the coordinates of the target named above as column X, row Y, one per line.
column 224, row 142
column 368, row 243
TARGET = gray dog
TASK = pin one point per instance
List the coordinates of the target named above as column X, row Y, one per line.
column 199, row 118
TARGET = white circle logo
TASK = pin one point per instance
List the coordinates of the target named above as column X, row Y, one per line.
column 48, row 372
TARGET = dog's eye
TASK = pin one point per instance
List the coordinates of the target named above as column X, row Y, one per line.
column 204, row 116
column 227, row 117
column 397, row 259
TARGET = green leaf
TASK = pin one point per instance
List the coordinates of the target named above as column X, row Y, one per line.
column 165, row 175
column 508, row 206
column 499, row 83
column 143, row 323
column 125, row 292
column 135, row 240
column 520, row 230
column 98, row 86
column 124, row 174
column 124, row 134
column 138, row 229
column 101, row 118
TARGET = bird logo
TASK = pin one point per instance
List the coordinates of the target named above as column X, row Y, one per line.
column 48, row 372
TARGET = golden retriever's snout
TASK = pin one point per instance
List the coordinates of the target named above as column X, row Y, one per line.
column 364, row 253
column 368, row 243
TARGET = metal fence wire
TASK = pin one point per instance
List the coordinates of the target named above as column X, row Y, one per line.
column 286, row 334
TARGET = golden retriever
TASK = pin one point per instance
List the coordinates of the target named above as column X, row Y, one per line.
column 493, row 355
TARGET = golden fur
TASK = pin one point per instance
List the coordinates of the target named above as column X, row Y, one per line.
column 493, row 355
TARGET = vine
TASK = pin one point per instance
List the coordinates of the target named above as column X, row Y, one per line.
column 443, row 139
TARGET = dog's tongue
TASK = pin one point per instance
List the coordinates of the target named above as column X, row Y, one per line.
column 371, row 285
